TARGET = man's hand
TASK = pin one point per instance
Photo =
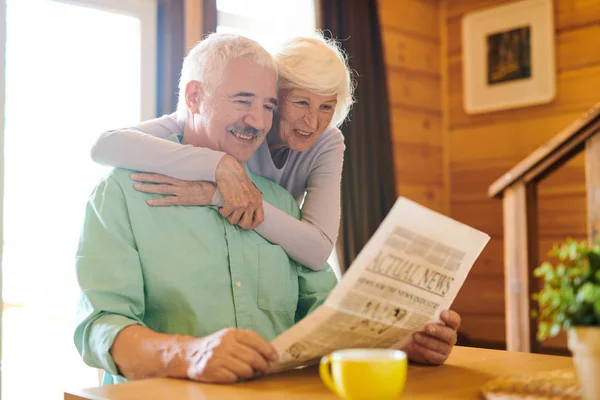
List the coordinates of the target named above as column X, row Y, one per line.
column 228, row 355
column 243, row 201
column 434, row 344
column 180, row 193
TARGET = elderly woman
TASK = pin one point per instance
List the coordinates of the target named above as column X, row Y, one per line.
column 303, row 153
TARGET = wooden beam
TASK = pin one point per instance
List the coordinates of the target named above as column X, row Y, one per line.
column 592, row 177
column 520, row 254
column 194, row 26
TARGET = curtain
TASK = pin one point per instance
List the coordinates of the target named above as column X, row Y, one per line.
column 170, row 41
column 171, row 44
column 368, row 184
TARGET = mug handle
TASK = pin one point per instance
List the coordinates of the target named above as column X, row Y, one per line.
column 324, row 371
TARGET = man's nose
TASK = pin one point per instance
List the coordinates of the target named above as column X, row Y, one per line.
column 258, row 118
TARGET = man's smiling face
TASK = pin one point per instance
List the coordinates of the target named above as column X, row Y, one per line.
column 238, row 113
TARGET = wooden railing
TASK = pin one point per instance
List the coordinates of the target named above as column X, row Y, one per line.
column 518, row 189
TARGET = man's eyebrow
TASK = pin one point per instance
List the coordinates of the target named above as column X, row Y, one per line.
column 243, row 94
column 271, row 100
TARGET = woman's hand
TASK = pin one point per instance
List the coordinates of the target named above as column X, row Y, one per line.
column 179, row 193
column 242, row 200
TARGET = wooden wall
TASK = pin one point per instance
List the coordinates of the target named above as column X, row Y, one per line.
column 482, row 147
column 411, row 41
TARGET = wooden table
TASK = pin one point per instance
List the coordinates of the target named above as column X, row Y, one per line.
column 460, row 378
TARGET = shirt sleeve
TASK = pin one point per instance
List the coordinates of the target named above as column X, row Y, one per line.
column 109, row 274
column 144, row 148
column 310, row 240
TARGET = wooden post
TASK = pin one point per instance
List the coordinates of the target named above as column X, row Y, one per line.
column 193, row 22
column 592, row 177
column 520, row 256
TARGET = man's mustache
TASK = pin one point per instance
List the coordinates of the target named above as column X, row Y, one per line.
column 247, row 130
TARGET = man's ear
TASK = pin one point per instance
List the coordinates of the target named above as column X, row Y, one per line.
column 194, row 95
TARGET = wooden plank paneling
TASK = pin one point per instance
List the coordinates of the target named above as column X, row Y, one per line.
column 568, row 13
column 508, row 139
column 483, row 215
column 577, row 91
column 411, row 36
column 488, row 328
column 419, row 17
column 429, row 196
column 416, row 127
column 562, row 215
column 418, row 164
column 491, row 261
column 573, row 13
column 481, row 295
column 407, row 52
column 578, row 48
column 457, row 9
column 414, row 90
column 454, row 29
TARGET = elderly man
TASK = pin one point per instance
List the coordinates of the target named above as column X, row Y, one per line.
column 163, row 287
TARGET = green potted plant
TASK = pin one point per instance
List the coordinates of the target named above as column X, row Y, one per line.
column 570, row 300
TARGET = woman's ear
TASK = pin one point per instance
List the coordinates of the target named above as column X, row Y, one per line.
column 194, row 95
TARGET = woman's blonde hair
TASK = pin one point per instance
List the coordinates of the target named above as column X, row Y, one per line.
column 319, row 65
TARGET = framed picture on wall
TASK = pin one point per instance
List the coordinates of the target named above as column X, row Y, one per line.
column 508, row 56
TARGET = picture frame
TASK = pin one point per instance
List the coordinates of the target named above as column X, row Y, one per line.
column 508, row 56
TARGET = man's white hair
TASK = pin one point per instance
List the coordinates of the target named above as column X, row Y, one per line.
column 319, row 65
column 206, row 62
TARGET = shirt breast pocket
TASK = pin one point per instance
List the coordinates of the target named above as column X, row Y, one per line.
column 277, row 280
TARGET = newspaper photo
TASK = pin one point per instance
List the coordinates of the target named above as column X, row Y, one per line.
column 407, row 274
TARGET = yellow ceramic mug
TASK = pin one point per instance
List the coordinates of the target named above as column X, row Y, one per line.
column 365, row 374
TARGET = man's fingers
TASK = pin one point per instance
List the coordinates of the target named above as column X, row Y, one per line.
column 422, row 355
column 240, row 368
column 451, row 318
column 246, row 220
column 221, row 375
column 441, row 332
column 235, row 216
column 226, row 211
column 154, row 178
column 432, row 343
column 259, row 217
column 255, row 341
column 250, row 356
column 156, row 189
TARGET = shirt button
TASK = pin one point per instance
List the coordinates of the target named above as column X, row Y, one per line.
column 238, row 284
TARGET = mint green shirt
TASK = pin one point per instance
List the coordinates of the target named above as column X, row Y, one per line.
column 182, row 270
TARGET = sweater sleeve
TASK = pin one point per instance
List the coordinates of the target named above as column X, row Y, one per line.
column 309, row 241
column 144, row 148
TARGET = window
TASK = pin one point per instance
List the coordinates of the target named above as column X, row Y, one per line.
column 266, row 21
column 74, row 68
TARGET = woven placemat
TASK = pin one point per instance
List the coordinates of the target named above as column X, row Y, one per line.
column 550, row 385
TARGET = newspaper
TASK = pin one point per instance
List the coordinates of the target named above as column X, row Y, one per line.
column 406, row 275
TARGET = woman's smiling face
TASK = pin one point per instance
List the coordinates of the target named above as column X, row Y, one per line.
column 304, row 115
